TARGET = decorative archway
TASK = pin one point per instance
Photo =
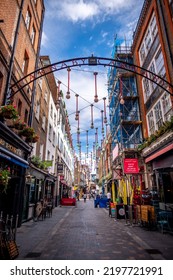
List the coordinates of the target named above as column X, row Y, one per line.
column 90, row 61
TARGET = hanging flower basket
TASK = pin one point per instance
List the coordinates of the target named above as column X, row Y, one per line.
column 4, row 179
column 19, row 125
column 9, row 112
column 27, row 132
column 32, row 139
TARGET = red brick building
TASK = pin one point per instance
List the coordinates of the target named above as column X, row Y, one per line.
column 20, row 36
column 153, row 50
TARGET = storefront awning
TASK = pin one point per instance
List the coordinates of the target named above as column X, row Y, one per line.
column 13, row 158
column 159, row 153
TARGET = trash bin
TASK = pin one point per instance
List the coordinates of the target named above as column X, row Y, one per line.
column 120, row 211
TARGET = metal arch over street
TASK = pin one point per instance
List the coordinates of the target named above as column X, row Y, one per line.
column 91, row 61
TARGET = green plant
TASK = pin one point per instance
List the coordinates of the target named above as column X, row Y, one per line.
column 20, row 125
column 27, row 131
column 41, row 164
column 9, row 112
column 167, row 126
column 32, row 138
column 4, row 178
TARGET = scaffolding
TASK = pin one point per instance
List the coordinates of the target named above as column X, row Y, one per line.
column 125, row 122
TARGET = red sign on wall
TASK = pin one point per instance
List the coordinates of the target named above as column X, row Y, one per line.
column 131, row 165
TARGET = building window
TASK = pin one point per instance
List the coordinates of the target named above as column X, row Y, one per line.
column 160, row 63
column 41, row 151
column 158, row 115
column 19, row 107
column 153, row 70
column 37, row 114
column 25, row 63
column 50, row 132
column 142, row 53
column 51, row 111
column 48, row 155
column 53, row 139
column 44, row 121
column 54, row 119
column 28, row 19
column 33, row 33
column 45, row 96
column 153, row 26
column 146, row 88
column 166, row 106
column 151, row 125
column 148, row 40
column 26, row 116
column 40, row 82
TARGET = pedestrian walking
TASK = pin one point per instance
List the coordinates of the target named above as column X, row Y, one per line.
column 84, row 197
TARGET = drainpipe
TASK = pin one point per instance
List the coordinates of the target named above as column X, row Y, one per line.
column 30, row 119
column 10, row 70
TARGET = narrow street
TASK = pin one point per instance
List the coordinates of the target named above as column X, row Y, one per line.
column 85, row 232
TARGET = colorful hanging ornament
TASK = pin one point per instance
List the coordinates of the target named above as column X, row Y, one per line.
column 96, row 96
column 92, row 123
column 68, row 89
column 77, row 111
column 105, row 118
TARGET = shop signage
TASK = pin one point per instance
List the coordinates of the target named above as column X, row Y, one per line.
column 131, row 166
column 11, row 148
column 60, row 167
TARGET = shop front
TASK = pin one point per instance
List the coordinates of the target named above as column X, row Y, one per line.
column 162, row 173
column 13, row 165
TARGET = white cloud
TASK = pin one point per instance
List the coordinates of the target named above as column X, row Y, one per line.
column 44, row 39
column 79, row 10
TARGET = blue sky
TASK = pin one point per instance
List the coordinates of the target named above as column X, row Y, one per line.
column 79, row 28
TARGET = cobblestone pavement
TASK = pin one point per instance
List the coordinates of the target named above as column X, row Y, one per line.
column 88, row 233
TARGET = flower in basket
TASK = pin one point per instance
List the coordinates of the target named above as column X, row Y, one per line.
column 27, row 131
column 4, row 178
column 20, row 125
column 32, row 138
column 9, row 112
